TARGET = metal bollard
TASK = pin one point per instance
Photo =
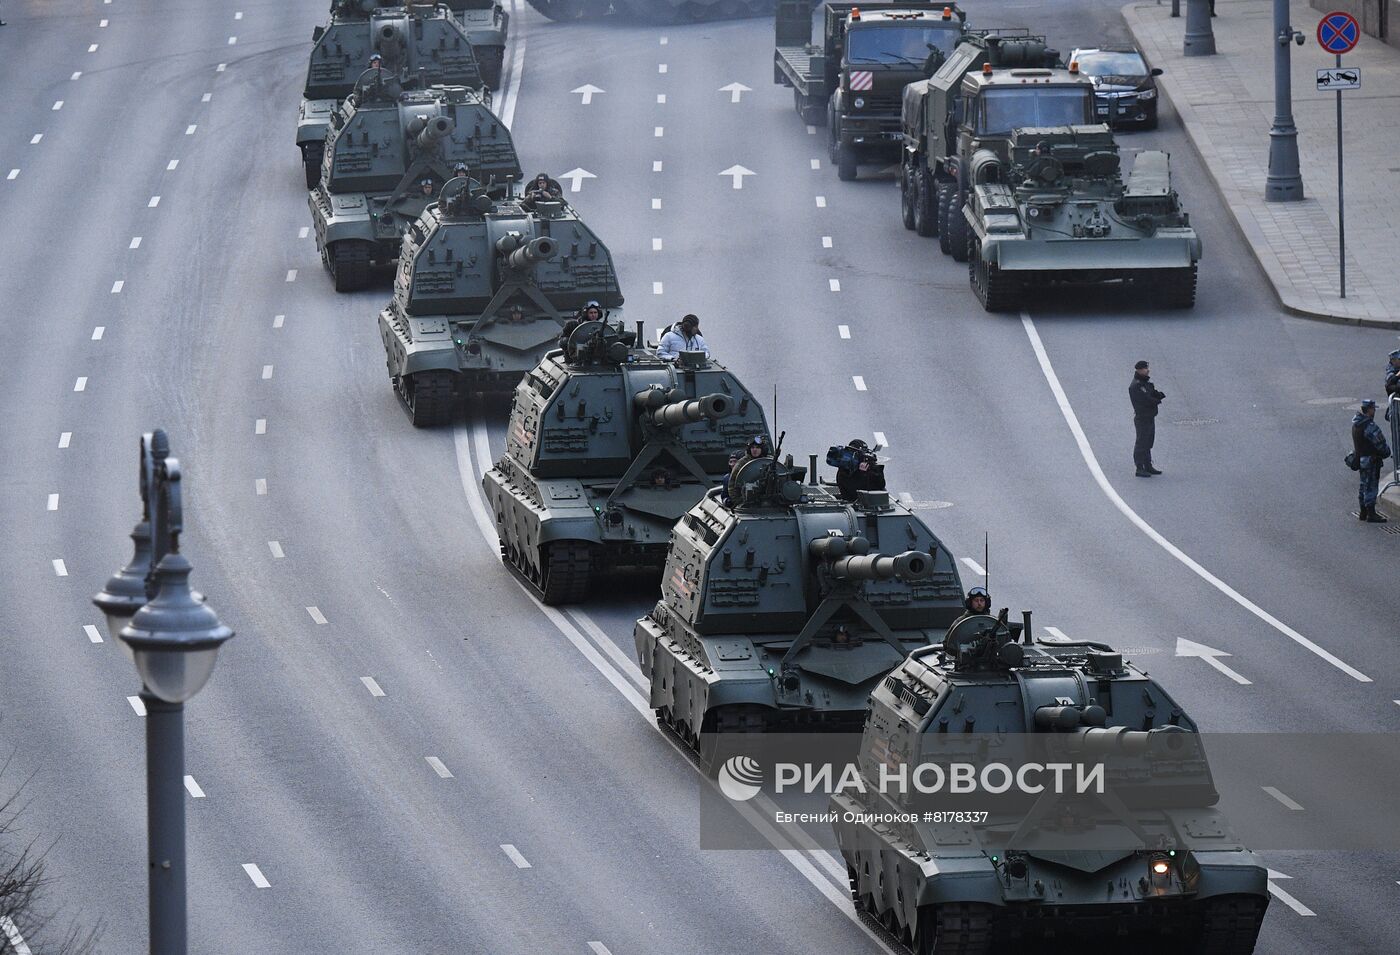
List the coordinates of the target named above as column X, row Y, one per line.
column 1176, row 8
column 1200, row 38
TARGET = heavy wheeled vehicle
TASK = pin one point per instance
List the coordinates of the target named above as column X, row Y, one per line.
column 418, row 43
column 993, row 83
column 485, row 285
column 851, row 82
column 784, row 603
column 389, row 153
column 608, row 445
column 1060, row 211
column 1140, row 855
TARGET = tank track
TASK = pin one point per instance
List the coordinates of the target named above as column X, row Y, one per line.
column 1231, row 925
column 429, row 397
column 654, row 11
column 995, row 289
column 1177, row 288
column 707, row 746
column 954, row 928
column 311, row 155
column 349, row 262
column 562, row 574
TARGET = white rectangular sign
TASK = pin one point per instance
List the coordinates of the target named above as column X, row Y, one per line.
column 1339, row 78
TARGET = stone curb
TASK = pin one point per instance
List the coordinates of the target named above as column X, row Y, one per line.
column 1288, row 296
column 1388, row 504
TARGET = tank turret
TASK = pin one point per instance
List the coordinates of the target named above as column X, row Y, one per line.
column 608, row 445
column 778, row 612
column 389, row 155
column 483, row 290
column 1127, row 843
column 416, row 44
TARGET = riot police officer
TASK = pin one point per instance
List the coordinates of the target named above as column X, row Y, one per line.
column 1392, row 379
column 1371, row 450
column 1145, row 398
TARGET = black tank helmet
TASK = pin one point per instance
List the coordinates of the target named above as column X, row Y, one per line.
column 977, row 592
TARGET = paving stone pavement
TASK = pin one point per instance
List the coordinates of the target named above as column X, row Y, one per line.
column 1226, row 104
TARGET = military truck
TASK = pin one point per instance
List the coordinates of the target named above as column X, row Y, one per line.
column 420, row 43
column 487, row 24
column 852, row 81
column 483, row 288
column 783, row 606
column 1147, row 854
column 388, row 155
column 654, row 11
column 1060, row 211
column 963, row 115
column 608, row 445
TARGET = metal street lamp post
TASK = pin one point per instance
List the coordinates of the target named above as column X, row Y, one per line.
column 1285, row 181
column 174, row 638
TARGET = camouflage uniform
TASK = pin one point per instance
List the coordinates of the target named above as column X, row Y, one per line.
column 1371, row 451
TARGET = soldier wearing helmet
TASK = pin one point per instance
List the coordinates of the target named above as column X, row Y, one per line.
column 978, row 601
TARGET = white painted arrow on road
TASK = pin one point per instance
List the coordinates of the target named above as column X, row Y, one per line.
column 575, row 178
column 738, row 172
column 1284, row 897
column 735, row 90
column 588, row 92
column 1188, row 648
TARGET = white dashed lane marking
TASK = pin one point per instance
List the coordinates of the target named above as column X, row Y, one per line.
column 193, row 788
column 93, row 634
column 154, row 201
column 598, row 948
column 291, row 275
column 1056, row 635
column 80, row 384
column 102, row 24
column 316, row 615
column 189, row 130
column 811, row 130
column 260, row 487
column 304, row 232
column 266, row 372
column 98, row 332
column 35, row 140
column 660, row 99
column 58, row 105
column 844, row 331
column 92, row 48
column 515, row 856
column 278, row 320
column 256, row 875
column 656, row 245
column 135, row 242
column 117, row 286
column 656, row 165
column 232, row 40
column 821, row 202
column 53, row 502
column 656, row 288
column 137, row 704
column 661, row 68
column 14, row 174
column 881, row 440
column 372, row 685
column 221, row 67
column 276, row 548
column 834, row 284
column 65, row 439
column 60, row 569
column 859, row 382
column 816, row 163
column 170, row 166
column 826, row 242
column 656, row 203
column 973, row 566
column 659, row 132
column 1282, row 798
column 438, row 767
column 206, row 97
column 260, row 426
column 1285, row 897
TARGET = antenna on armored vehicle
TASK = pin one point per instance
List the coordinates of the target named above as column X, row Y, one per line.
column 987, row 563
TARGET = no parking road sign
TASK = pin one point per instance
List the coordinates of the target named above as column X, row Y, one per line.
column 1338, row 32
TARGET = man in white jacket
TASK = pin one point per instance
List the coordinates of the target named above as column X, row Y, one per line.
column 682, row 336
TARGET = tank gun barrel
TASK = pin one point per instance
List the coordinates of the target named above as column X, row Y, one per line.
column 522, row 255
column 433, row 132
column 910, row 565
column 685, row 411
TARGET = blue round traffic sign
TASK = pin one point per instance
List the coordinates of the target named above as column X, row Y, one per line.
column 1338, row 32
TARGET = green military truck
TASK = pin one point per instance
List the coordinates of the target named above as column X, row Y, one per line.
column 957, row 124
column 852, row 81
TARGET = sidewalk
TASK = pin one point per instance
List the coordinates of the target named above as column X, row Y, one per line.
column 1226, row 103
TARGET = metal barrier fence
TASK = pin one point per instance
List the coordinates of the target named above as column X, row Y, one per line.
column 1392, row 414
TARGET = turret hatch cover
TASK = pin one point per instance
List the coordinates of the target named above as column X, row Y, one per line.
column 734, row 650
column 853, row 666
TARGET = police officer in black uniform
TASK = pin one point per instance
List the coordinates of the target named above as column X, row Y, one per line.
column 1145, row 398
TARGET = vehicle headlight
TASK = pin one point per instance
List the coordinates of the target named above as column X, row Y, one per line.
column 1147, row 94
column 860, row 102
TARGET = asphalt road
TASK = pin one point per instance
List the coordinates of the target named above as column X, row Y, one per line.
column 310, row 498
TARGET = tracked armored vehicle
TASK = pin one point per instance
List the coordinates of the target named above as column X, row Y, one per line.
column 487, row 25
column 654, row 11
column 484, row 287
column 1061, row 211
column 607, row 447
column 389, row 154
column 419, row 43
column 782, row 608
column 1144, row 854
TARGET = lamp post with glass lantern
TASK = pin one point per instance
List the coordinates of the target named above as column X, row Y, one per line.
column 173, row 637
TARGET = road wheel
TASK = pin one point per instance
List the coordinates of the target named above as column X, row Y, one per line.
column 956, row 228
column 311, row 155
column 907, row 188
column 925, row 207
column 429, row 397
column 996, row 290
column 846, row 165
column 1151, row 121
column 833, row 131
column 349, row 263
column 955, row 928
column 567, row 567
column 942, row 201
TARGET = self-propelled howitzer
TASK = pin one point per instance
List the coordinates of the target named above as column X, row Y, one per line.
column 388, row 156
column 484, row 287
column 487, row 24
column 607, row 446
column 782, row 606
column 1127, row 844
column 418, row 43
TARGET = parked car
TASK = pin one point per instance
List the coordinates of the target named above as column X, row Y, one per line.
column 1125, row 84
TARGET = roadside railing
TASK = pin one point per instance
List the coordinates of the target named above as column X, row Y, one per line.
column 1393, row 416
